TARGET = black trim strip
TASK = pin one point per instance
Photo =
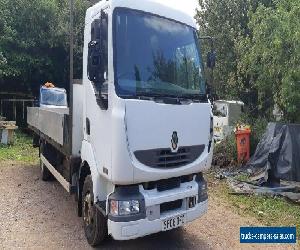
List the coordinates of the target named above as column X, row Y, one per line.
column 164, row 158
column 202, row 196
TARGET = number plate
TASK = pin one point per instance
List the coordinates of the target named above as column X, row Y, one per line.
column 173, row 222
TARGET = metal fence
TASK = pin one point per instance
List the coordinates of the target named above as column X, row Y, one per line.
column 16, row 110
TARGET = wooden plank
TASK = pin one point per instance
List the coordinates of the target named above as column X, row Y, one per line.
column 9, row 125
column 66, row 185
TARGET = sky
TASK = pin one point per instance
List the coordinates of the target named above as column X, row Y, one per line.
column 188, row 6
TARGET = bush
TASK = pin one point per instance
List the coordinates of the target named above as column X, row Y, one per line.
column 225, row 152
column 258, row 128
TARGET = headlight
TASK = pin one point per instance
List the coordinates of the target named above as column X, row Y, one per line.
column 204, row 187
column 114, row 207
column 124, row 207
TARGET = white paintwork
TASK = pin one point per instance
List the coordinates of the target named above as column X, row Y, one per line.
column 158, row 7
column 78, row 92
column 154, row 197
column 101, row 185
column 130, row 125
column 141, row 228
column 188, row 6
column 114, row 136
column 53, row 106
column 155, row 128
column 99, row 139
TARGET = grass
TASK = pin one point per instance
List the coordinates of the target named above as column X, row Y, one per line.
column 268, row 211
column 21, row 152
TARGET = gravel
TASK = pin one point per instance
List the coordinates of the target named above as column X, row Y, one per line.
column 41, row 215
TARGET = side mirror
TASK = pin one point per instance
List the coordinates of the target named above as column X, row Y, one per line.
column 211, row 59
column 94, row 61
column 98, row 59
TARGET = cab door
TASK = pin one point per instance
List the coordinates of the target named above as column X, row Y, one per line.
column 97, row 102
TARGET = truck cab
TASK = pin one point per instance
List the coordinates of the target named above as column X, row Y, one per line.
column 142, row 126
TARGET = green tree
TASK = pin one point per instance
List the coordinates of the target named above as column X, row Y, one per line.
column 227, row 21
column 270, row 56
column 34, row 41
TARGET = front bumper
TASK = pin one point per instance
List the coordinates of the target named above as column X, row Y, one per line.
column 140, row 228
column 155, row 211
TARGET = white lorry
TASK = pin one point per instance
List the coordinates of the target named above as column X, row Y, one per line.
column 138, row 135
column 226, row 115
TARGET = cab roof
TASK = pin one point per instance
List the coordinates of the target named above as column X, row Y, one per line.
column 157, row 7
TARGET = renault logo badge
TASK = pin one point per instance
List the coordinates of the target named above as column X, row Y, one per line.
column 174, row 140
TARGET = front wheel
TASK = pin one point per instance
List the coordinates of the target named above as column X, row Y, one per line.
column 95, row 224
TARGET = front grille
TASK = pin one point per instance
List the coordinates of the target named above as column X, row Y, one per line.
column 168, row 159
column 171, row 205
column 165, row 158
column 167, row 184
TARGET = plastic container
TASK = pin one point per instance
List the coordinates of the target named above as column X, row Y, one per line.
column 242, row 135
column 53, row 97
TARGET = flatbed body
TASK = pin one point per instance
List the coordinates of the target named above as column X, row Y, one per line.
column 52, row 125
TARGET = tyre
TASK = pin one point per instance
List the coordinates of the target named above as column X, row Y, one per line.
column 95, row 224
column 46, row 175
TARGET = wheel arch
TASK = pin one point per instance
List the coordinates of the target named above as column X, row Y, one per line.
column 101, row 186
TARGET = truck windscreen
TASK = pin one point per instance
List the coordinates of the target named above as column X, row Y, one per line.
column 155, row 56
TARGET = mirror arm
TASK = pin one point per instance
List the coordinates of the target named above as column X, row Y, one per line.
column 102, row 102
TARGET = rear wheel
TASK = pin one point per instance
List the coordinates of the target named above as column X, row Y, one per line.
column 95, row 224
column 46, row 175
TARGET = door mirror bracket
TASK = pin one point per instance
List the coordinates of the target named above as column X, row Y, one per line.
column 97, row 59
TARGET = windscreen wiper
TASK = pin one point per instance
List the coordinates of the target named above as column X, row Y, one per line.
column 199, row 97
column 160, row 97
column 156, row 95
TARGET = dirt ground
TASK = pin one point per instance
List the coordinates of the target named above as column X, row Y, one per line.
column 40, row 215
